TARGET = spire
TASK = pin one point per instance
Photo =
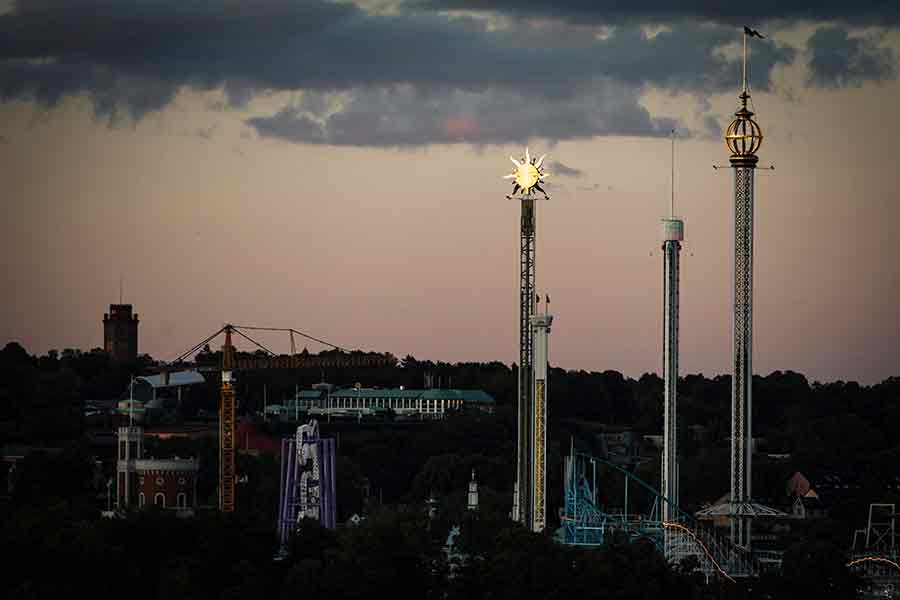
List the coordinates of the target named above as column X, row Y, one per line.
column 745, row 81
column 473, row 493
column 743, row 136
column 228, row 351
column 744, row 89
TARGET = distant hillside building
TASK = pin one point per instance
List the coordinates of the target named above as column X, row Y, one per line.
column 427, row 404
column 120, row 332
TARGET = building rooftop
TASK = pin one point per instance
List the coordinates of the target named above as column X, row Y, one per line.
column 176, row 379
column 468, row 396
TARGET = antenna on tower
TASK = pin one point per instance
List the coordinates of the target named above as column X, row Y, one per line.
column 744, row 64
column 121, row 286
column 672, row 206
column 745, row 80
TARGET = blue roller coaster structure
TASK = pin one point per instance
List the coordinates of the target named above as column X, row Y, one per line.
column 874, row 554
column 588, row 522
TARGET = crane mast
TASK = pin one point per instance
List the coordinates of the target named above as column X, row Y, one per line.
column 227, row 427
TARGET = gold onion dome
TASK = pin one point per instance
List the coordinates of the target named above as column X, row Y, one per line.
column 743, row 137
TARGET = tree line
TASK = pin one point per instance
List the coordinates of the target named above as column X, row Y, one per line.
column 388, row 471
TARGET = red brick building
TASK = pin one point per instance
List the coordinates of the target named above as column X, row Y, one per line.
column 169, row 483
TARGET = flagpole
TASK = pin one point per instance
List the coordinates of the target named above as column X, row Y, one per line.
column 744, row 71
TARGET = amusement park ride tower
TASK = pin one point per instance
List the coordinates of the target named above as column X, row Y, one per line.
column 743, row 138
column 673, row 235
column 527, row 178
column 541, row 331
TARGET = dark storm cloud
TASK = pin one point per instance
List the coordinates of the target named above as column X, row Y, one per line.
column 139, row 53
column 874, row 12
column 405, row 116
column 837, row 60
column 276, row 44
column 579, row 87
column 426, row 78
column 558, row 168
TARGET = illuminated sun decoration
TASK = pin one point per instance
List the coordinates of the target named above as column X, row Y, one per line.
column 528, row 175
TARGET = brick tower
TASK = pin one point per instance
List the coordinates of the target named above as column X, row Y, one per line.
column 120, row 332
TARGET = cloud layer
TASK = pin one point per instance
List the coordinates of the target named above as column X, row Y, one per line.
column 407, row 116
column 410, row 78
column 866, row 12
column 838, row 60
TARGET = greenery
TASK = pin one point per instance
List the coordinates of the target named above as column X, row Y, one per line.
column 387, row 470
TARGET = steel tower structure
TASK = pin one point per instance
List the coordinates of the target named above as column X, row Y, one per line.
column 522, row 508
column 226, row 427
column 673, row 235
column 540, row 324
column 527, row 177
column 743, row 138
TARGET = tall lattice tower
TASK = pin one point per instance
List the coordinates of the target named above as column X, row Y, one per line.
column 227, row 426
column 541, row 331
column 527, row 178
column 743, row 138
column 522, row 507
column 673, row 235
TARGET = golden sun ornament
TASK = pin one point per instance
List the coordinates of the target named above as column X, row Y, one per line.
column 528, row 175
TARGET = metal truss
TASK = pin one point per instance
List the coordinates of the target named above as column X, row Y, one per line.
column 525, row 501
column 742, row 367
column 226, row 448
column 874, row 555
column 671, row 251
column 587, row 523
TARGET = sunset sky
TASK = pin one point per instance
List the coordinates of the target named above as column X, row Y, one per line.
column 337, row 167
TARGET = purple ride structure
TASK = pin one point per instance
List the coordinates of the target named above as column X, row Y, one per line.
column 307, row 481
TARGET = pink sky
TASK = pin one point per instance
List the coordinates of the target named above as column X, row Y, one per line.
column 414, row 251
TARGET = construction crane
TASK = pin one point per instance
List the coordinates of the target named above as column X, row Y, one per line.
column 227, row 395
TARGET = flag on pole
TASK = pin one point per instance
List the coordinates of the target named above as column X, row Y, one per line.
column 753, row 33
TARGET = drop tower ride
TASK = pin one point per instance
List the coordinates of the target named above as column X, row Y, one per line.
column 527, row 176
column 743, row 138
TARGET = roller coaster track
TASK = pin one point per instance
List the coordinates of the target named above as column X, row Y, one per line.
column 881, row 573
column 877, row 559
column 707, row 552
column 586, row 523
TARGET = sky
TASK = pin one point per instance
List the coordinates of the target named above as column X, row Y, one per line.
column 337, row 167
